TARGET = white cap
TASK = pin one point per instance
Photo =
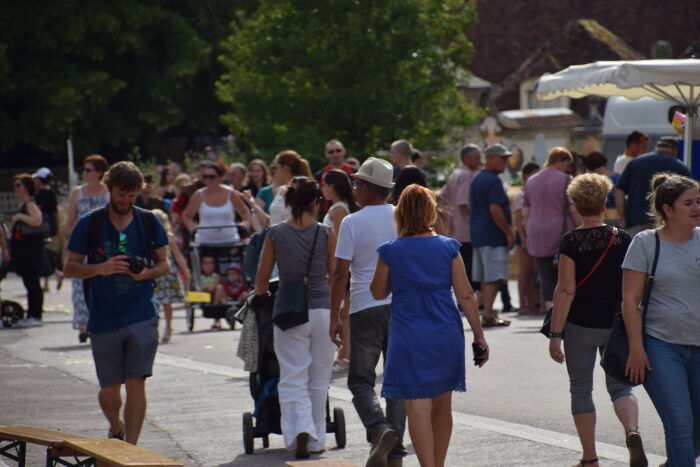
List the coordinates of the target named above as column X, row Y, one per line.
column 376, row 171
column 43, row 172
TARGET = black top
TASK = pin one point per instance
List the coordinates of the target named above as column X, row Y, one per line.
column 600, row 297
column 46, row 199
column 252, row 187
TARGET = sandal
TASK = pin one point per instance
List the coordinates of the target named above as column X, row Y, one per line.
column 583, row 462
column 166, row 336
column 494, row 321
column 341, row 365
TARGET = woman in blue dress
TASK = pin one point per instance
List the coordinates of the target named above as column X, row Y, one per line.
column 425, row 356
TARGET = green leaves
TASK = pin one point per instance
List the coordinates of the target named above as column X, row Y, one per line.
column 299, row 73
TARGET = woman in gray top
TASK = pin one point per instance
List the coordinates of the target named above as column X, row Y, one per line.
column 304, row 352
column 665, row 355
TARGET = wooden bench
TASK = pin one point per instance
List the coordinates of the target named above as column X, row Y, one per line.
column 99, row 452
column 117, row 453
column 17, row 437
column 320, row 463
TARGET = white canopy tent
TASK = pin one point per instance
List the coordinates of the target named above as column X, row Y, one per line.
column 674, row 80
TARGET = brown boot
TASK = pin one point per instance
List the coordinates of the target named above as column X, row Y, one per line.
column 383, row 442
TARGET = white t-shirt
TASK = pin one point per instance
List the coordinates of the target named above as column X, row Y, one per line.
column 360, row 235
column 621, row 162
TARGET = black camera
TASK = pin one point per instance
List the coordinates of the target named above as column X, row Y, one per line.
column 136, row 264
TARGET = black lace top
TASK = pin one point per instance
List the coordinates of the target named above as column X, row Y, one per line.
column 600, row 297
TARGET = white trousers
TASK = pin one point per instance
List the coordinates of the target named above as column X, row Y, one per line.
column 305, row 354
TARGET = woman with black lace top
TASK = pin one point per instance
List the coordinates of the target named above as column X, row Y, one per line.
column 587, row 297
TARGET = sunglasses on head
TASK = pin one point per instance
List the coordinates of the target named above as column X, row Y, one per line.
column 334, row 151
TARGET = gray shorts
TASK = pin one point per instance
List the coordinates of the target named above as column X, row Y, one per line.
column 489, row 263
column 126, row 353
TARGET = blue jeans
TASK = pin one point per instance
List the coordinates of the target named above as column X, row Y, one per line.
column 369, row 331
column 674, row 387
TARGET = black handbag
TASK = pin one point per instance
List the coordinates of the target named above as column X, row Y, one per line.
column 251, row 257
column 29, row 231
column 547, row 323
column 616, row 353
column 291, row 307
column 49, row 262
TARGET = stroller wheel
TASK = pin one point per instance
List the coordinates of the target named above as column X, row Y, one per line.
column 189, row 316
column 266, row 441
column 11, row 312
column 339, row 425
column 248, row 433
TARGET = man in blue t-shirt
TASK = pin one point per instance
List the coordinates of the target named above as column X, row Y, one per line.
column 635, row 182
column 489, row 223
column 123, row 322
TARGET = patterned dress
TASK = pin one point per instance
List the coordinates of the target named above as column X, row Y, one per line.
column 80, row 310
column 168, row 289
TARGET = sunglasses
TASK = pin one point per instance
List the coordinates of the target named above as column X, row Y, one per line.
column 356, row 184
column 334, row 151
column 208, row 177
column 88, row 169
column 18, row 185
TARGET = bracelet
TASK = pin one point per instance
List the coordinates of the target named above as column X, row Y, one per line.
column 253, row 210
column 560, row 335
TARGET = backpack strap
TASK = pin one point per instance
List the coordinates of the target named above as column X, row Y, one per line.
column 95, row 224
column 149, row 225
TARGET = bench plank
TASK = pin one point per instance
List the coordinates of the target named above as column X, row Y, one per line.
column 30, row 434
column 117, row 453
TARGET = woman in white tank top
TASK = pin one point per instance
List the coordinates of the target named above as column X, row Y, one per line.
column 337, row 189
column 216, row 205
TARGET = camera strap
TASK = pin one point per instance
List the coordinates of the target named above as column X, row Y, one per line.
column 97, row 218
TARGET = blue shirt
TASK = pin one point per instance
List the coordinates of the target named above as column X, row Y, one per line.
column 487, row 189
column 117, row 300
column 610, row 200
column 635, row 181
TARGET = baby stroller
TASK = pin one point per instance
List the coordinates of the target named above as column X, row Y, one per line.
column 10, row 312
column 225, row 255
column 263, row 387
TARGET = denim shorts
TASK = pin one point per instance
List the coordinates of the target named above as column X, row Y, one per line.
column 126, row 353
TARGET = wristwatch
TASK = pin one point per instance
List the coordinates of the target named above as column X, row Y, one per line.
column 253, row 210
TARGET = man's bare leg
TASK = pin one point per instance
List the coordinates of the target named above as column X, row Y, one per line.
column 135, row 408
column 111, row 402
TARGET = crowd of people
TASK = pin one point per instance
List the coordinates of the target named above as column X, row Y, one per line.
column 388, row 267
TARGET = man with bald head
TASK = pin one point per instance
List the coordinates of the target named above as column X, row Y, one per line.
column 400, row 154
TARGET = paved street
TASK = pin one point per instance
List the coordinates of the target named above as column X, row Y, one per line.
column 516, row 410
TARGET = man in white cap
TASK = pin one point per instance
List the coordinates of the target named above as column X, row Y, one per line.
column 360, row 234
column 491, row 234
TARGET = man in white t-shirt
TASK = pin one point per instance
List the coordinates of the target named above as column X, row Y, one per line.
column 636, row 144
column 360, row 234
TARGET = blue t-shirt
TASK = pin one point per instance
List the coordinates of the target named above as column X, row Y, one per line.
column 118, row 300
column 487, row 189
column 635, row 181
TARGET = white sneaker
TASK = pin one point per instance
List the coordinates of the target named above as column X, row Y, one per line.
column 29, row 323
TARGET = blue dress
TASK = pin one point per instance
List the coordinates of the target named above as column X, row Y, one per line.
column 425, row 355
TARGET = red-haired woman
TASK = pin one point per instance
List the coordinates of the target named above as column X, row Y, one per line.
column 425, row 356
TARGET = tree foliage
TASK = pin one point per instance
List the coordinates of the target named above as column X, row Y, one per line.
column 301, row 72
column 109, row 73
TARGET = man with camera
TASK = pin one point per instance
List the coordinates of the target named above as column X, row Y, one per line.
column 125, row 250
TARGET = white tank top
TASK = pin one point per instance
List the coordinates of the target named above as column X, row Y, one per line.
column 217, row 215
column 278, row 211
column 327, row 218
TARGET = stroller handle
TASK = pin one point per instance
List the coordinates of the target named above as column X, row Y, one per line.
column 194, row 231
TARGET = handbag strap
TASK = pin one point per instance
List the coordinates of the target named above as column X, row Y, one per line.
column 311, row 255
column 650, row 281
column 600, row 260
column 566, row 208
